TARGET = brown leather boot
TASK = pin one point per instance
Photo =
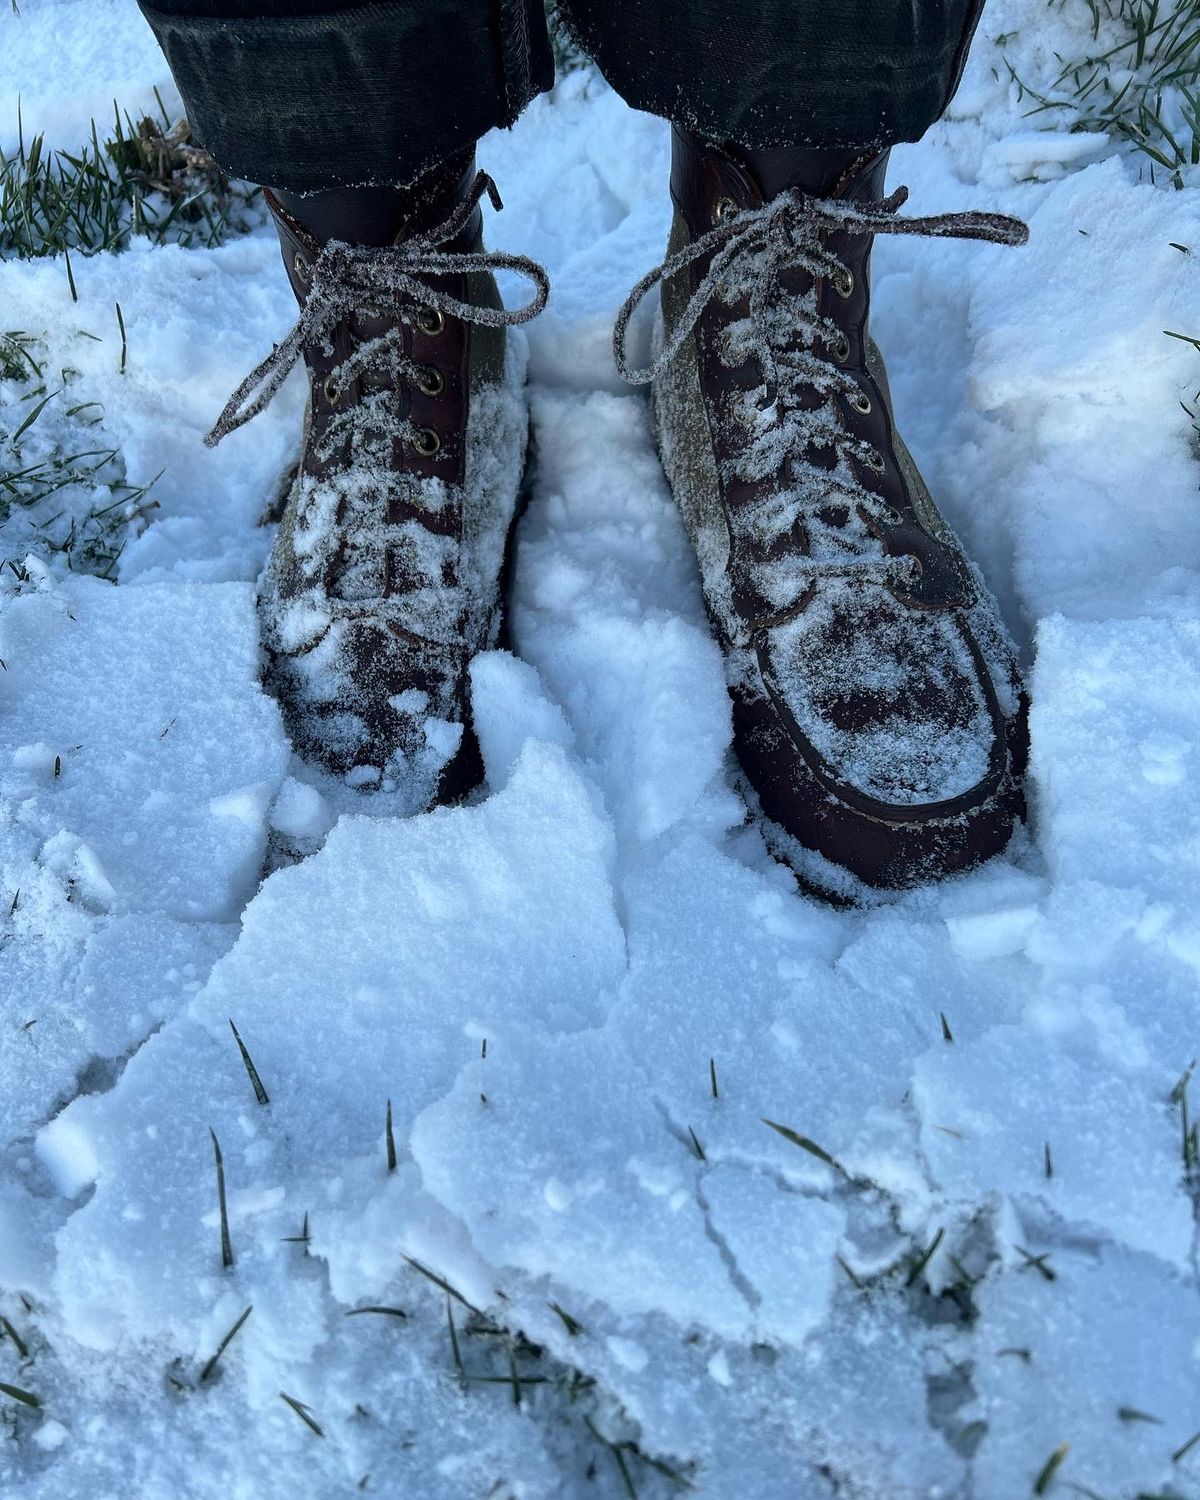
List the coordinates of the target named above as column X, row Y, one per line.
column 384, row 580
column 878, row 707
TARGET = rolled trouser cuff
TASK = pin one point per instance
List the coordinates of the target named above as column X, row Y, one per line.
column 857, row 74
column 373, row 95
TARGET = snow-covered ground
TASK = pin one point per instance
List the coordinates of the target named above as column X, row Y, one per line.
column 582, row 998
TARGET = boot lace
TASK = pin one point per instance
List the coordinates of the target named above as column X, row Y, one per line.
column 785, row 333
column 346, row 279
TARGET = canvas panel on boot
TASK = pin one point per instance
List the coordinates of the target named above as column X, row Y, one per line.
column 384, row 580
column 878, row 707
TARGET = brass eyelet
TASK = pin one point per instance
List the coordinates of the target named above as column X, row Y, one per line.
column 724, row 209
column 302, row 269
column 332, row 394
column 841, row 350
column 430, row 381
column 916, row 567
column 425, row 442
column 843, row 283
column 894, row 517
column 431, row 321
column 875, row 462
column 861, row 402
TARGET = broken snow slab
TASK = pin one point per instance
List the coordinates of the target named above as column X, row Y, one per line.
column 136, row 745
column 468, row 921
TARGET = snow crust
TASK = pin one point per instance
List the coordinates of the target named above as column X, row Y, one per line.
column 586, row 996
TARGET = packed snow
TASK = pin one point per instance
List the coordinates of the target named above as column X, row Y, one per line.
column 574, row 1151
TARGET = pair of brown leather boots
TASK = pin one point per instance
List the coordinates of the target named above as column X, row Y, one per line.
column 879, row 716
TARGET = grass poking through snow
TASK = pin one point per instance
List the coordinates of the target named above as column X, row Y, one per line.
column 926, row 1255
column 303, row 1412
column 206, row 1372
column 256, row 1082
column 1048, row 1470
column 808, row 1145
column 390, row 1139
column 1138, row 81
column 226, row 1242
column 390, row 1312
column 15, row 1393
column 143, row 178
column 64, row 495
column 19, row 1343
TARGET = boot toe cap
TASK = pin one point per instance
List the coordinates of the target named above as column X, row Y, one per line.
column 882, row 742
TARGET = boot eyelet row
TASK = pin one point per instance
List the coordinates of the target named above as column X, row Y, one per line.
column 430, row 382
column 431, row 321
column 724, row 210
column 861, row 402
column 425, row 442
column 332, row 394
column 843, row 283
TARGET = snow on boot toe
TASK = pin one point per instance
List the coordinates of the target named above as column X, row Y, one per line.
column 386, row 573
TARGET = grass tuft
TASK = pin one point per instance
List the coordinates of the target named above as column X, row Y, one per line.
column 63, row 495
column 1138, row 81
column 143, row 179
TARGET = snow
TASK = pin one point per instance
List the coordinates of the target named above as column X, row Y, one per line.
column 148, row 789
column 582, row 997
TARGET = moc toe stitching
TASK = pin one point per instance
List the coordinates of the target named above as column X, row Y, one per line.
column 880, row 809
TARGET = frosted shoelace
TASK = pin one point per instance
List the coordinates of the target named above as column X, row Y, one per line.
column 749, row 252
column 346, row 279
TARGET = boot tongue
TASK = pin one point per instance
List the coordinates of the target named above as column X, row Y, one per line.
column 779, row 168
column 821, row 174
column 381, row 215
